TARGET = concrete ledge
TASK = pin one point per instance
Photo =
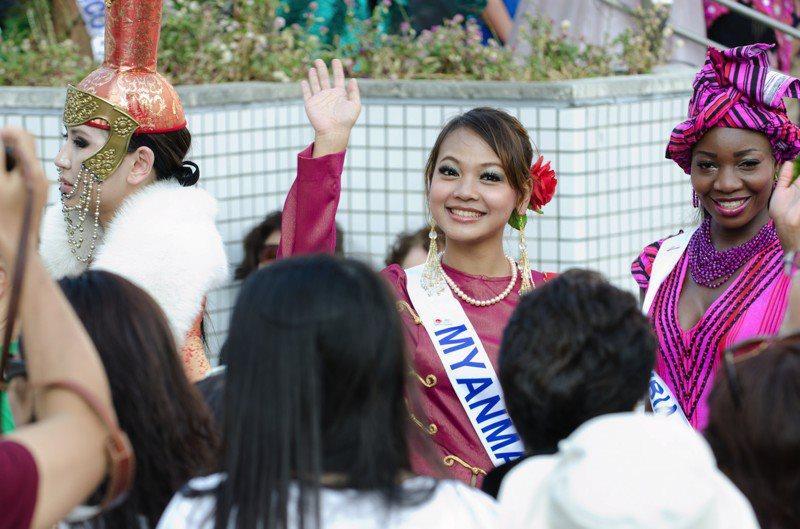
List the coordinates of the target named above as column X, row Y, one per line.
column 559, row 93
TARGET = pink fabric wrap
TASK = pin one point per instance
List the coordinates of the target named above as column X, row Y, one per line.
column 736, row 89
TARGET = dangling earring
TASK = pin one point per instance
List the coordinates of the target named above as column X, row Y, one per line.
column 432, row 279
column 695, row 200
column 525, row 267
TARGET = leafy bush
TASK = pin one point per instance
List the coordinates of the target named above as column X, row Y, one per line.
column 214, row 41
column 31, row 54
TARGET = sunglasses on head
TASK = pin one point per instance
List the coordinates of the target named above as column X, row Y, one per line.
column 745, row 350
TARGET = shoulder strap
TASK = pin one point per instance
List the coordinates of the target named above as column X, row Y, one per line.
column 121, row 459
column 667, row 257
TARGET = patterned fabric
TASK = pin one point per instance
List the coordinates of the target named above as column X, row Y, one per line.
column 754, row 304
column 780, row 10
column 193, row 351
column 643, row 265
column 736, row 89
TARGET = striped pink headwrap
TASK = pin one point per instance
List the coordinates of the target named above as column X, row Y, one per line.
column 736, row 89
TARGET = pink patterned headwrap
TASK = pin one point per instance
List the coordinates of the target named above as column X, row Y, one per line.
column 736, row 89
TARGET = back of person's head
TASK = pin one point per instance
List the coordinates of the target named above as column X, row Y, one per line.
column 408, row 241
column 625, row 471
column 757, row 443
column 315, row 382
column 257, row 252
column 253, row 245
column 169, row 426
column 573, row 349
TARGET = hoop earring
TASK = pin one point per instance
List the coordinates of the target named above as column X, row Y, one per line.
column 524, row 264
column 432, row 279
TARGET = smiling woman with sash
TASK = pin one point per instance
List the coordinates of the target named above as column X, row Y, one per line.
column 455, row 306
column 712, row 286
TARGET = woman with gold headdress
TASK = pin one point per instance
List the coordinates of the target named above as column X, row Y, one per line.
column 128, row 201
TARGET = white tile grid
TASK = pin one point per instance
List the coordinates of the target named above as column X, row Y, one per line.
column 616, row 193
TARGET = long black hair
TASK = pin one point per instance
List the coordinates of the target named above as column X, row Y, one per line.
column 315, row 385
column 169, row 425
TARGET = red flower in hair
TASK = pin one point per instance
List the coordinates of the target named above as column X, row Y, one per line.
column 544, row 183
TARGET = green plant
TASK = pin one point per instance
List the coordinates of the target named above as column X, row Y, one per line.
column 215, row 41
column 30, row 54
column 646, row 46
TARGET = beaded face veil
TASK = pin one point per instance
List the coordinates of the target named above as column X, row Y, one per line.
column 80, row 108
column 126, row 96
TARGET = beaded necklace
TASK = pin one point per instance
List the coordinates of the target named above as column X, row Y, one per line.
column 710, row 267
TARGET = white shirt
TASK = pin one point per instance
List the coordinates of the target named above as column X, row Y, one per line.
column 452, row 505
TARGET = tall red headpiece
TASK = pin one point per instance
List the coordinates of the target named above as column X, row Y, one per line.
column 128, row 77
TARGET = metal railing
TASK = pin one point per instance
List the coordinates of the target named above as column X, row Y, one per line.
column 733, row 5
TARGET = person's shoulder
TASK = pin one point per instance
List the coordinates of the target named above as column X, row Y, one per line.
column 395, row 274
column 397, row 279
column 525, row 477
column 642, row 266
column 469, row 507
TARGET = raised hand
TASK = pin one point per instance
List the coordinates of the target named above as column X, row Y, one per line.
column 332, row 110
column 784, row 208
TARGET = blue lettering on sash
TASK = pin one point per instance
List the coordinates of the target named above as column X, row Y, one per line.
column 474, row 385
column 487, row 404
column 655, row 389
column 467, row 361
column 449, row 337
column 496, row 435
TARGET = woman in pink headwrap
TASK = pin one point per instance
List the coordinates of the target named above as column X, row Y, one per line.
column 724, row 281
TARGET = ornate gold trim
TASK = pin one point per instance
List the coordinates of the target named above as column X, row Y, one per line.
column 429, row 381
column 402, row 305
column 82, row 107
column 431, row 429
column 450, row 460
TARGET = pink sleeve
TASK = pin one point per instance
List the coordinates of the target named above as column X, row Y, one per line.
column 308, row 223
column 19, row 484
column 643, row 265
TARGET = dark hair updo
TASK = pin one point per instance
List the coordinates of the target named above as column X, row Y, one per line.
column 170, row 149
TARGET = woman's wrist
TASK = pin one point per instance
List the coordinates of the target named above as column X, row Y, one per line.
column 330, row 142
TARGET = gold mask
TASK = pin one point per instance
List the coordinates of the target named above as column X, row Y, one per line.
column 82, row 107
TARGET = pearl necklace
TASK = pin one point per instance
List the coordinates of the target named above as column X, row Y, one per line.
column 477, row 302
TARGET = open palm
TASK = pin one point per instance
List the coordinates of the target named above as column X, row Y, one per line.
column 331, row 109
column 784, row 208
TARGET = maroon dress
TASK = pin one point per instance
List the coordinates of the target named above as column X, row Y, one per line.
column 308, row 226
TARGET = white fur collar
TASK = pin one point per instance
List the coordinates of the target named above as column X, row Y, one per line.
column 162, row 238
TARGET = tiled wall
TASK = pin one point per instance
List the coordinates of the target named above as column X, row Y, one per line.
column 616, row 190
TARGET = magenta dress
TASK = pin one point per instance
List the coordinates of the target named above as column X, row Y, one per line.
column 308, row 226
column 753, row 305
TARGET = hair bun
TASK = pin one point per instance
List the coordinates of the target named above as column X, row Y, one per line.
column 188, row 174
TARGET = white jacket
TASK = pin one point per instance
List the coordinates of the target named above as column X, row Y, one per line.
column 163, row 239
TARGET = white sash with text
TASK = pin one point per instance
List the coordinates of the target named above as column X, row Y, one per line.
column 662, row 400
column 468, row 367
